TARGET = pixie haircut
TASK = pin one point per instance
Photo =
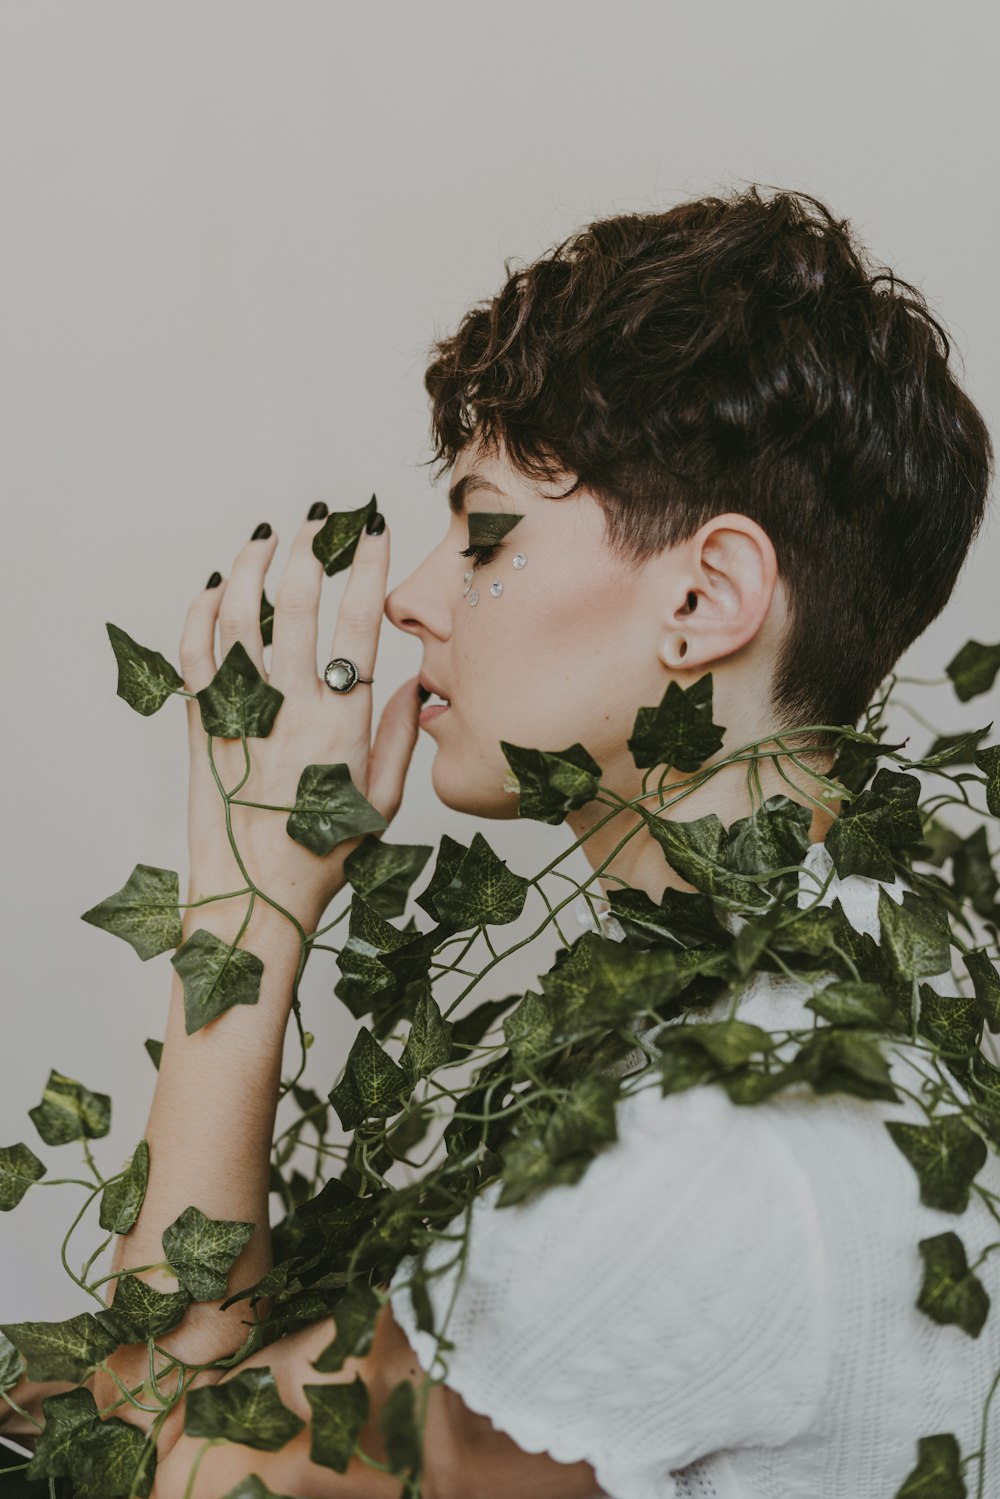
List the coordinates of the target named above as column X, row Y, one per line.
column 740, row 354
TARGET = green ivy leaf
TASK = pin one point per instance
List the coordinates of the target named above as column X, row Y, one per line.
column 67, row 1417
column 940, row 842
column 11, row 1365
column 364, row 974
column 337, row 539
column 61, row 1350
column 145, row 678
column 354, row 1318
column 679, row 733
column 775, row 835
column 449, row 858
column 679, row 917
column 245, row 1408
column 69, row 1111
column 945, row 1154
column 373, row 1085
column 138, row 1311
column 428, row 1046
column 122, row 1199
column 951, row 1021
column 397, row 1423
column 730, row 1043
column 696, row 851
column 266, row 620
column 974, row 878
column 201, row 1251
column 973, row 670
column 938, row 1474
column 988, row 761
column 848, row 1002
column 216, row 975
column 483, row 891
column 468, row 1030
column 950, row 1292
column 529, row 1031
column 155, row 1050
column 585, row 1120
column 883, row 818
column 844, row 1061
column 106, row 1458
column 339, row 1411
column 19, row 1168
column 953, row 749
column 383, row 873
column 144, row 912
column 329, row 809
column 552, row 782
column 914, row 935
column 237, row 701
column 986, row 981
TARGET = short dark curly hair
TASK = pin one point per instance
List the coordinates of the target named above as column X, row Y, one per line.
column 740, row 353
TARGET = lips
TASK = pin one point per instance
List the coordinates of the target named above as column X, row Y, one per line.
column 432, row 709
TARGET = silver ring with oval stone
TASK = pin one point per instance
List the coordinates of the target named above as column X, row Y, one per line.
column 341, row 674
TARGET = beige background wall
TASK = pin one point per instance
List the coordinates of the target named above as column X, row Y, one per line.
column 229, row 230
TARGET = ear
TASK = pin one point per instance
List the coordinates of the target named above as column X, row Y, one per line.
column 719, row 591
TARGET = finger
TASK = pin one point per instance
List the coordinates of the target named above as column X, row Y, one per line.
column 197, row 648
column 360, row 615
column 296, row 611
column 239, row 616
column 393, row 749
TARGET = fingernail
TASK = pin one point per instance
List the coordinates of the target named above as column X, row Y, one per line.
column 262, row 532
column 423, row 693
column 317, row 511
column 376, row 524
column 214, row 580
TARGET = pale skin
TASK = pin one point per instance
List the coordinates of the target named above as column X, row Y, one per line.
column 603, row 635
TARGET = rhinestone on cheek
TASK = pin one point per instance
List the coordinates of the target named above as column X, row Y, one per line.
column 520, row 560
column 473, row 597
column 467, row 577
column 496, row 589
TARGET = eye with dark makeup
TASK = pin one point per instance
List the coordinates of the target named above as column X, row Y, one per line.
column 481, row 555
column 486, row 532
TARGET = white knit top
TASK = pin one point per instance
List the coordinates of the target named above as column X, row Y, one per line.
column 723, row 1307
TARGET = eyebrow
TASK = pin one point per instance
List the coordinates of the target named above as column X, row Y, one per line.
column 469, row 484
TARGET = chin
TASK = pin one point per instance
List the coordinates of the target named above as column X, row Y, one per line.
column 477, row 789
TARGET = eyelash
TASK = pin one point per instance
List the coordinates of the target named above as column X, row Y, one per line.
column 482, row 555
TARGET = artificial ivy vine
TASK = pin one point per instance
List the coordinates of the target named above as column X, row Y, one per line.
column 540, row 1090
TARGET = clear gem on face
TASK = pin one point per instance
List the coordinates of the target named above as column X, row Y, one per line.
column 473, row 597
column 496, row 589
column 520, row 560
column 467, row 577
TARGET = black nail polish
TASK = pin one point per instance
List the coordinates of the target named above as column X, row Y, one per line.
column 423, row 693
column 262, row 532
column 376, row 524
column 317, row 511
column 214, row 580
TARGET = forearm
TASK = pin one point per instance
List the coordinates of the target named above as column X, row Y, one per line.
column 210, row 1131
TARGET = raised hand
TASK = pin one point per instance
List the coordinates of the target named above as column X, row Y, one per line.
column 314, row 726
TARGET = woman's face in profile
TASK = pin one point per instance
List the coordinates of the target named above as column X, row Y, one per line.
column 552, row 640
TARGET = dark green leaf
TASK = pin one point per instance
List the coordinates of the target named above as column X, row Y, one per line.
column 953, row 749
column 66, row 1418
column 945, row 1154
column 364, row 975
column 122, row 1199
column 266, row 620
column 988, row 761
column 19, row 1168
column 695, row 851
column 69, row 1111
column 11, row 1365
column 339, row 1411
column 483, row 891
column 684, row 917
column 914, row 935
column 528, row 1031
column 730, row 1043
column 951, row 1021
column 848, row 1002
column 373, row 1085
column 940, row 840
column 216, row 975
column 155, row 1050
column 138, row 1311
column 774, row 836
column 973, row 671
column 237, row 700
column 397, row 1423
column 329, row 809
column 470, row 1029
column 336, row 540
column 106, row 1458
column 61, row 1350
column 883, row 818
column 354, row 1319
column 950, row 1292
column 449, row 858
column 974, row 878
column 938, row 1474
column 201, row 1251
column 144, row 912
column 986, row 981
column 845, row 1061
column 679, row 732
column 552, row 783
column 145, row 678
column 487, row 528
column 245, row 1408
column 384, row 872
column 428, row 1046
column 585, row 1120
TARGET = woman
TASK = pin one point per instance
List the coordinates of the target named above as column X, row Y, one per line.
column 778, row 482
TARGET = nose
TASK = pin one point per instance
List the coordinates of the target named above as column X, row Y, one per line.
column 418, row 605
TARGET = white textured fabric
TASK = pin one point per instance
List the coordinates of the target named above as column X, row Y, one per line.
column 723, row 1307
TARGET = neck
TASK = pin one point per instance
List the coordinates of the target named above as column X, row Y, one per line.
column 639, row 862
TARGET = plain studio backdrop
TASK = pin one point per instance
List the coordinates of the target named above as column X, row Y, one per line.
column 230, row 231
